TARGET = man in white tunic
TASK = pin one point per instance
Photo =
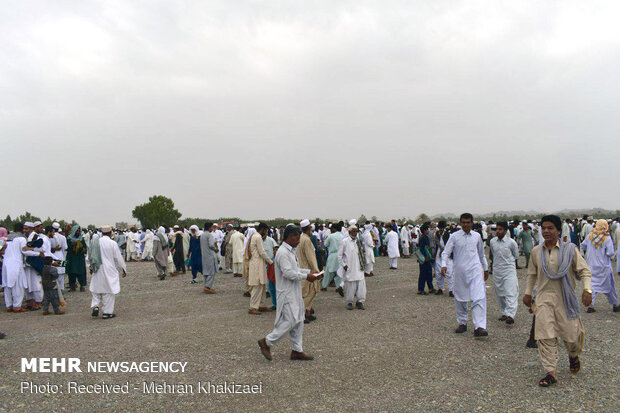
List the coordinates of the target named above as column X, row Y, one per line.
column 505, row 253
column 13, row 275
column 405, row 238
column 290, row 303
column 566, row 231
column 34, row 292
column 369, row 250
column 105, row 260
column 352, row 261
column 132, row 251
column 586, row 228
column 392, row 247
column 59, row 249
column 469, row 278
column 147, row 252
column 236, row 243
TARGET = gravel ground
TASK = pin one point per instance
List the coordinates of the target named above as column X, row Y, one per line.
column 400, row 354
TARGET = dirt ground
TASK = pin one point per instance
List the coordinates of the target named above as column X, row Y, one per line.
column 400, row 354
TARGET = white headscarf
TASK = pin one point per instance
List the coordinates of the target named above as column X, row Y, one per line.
column 194, row 228
column 161, row 235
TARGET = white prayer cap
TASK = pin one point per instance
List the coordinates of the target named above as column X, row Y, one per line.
column 194, row 228
column 352, row 227
column 304, row 223
column 176, row 226
column 37, row 223
column 29, row 224
column 352, row 222
column 55, row 225
column 106, row 228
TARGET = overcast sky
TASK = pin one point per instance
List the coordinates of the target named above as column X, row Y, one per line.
column 308, row 109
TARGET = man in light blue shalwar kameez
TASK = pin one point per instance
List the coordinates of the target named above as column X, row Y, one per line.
column 505, row 253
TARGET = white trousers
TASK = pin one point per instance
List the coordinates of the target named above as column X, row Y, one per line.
column 393, row 262
column 369, row 267
column 478, row 312
column 286, row 324
column 37, row 296
column 60, row 281
column 508, row 304
column 107, row 299
column 14, row 296
column 353, row 289
column 406, row 248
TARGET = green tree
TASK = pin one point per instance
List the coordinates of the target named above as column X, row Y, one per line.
column 158, row 211
column 422, row 218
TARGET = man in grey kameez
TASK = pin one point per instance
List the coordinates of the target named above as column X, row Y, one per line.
column 209, row 250
column 160, row 252
column 505, row 253
column 290, row 303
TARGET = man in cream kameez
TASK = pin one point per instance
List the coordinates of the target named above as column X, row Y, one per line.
column 554, row 269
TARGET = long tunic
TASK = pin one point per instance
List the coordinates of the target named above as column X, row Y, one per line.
column 306, row 254
column 160, row 252
column 505, row 251
column 551, row 320
column 179, row 249
column 76, row 257
column 527, row 241
column 236, row 243
column 332, row 243
column 369, row 245
column 349, row 256
column 207, row 250
column 13, row 264
column 106, row 279
column 257, row 271
column 288, row 284
column 195, row 254
column 599, row 261
column 147, row 253
column 469, row 262
column 392, row 244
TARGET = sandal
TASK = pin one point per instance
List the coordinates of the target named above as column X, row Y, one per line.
column 547, row 381
column 575, row 364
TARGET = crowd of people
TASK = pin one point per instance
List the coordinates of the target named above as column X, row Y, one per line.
column 290, row 265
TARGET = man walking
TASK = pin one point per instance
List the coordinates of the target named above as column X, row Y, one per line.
column 555, row 267
column 470, row 274
column 505, row 252
column 290, row 306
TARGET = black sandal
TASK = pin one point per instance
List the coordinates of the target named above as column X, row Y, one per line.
column 575, row 364
column 547, row 381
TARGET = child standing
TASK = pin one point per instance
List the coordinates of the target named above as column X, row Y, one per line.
column 50, row 289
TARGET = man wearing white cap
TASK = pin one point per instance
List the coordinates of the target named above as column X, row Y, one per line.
column 105, row 260
column 307, row 260
column 392, row 247
column 34, row 293
column 352, row 260
column 369, row 250
column 405, row 238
